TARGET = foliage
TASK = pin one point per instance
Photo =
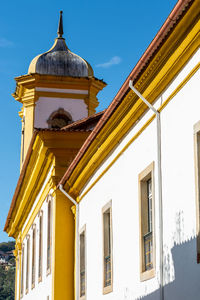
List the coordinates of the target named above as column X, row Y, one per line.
column 7, row 284
column 7, row 276
column 7, row 246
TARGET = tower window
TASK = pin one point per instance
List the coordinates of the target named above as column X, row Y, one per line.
column 59, row 119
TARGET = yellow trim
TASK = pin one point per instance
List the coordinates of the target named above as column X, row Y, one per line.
column 27, row 94
column 16, row 270
column 49, row 149
column 63, row 240
column 37, row 208
column 118, row 155
column 36, row 172
column 164, row 67
column 180, row 86
column 61, row 95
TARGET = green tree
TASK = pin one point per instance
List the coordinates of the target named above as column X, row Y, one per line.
column 7, row 277
column 7, row 246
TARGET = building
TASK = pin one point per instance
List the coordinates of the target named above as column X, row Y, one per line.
column 131, row 171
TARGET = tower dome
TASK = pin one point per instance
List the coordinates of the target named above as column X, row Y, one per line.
column 59, row 60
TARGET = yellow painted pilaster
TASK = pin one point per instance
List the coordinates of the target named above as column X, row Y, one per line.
column 18, row 248
column 73, row 209
column 15, row 252
column 63, row 249
column 28, row 125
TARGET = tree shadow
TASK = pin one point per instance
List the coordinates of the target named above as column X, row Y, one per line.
column 182, row 279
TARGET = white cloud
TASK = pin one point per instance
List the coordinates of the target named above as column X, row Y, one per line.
column 5, row 43
column 115, row 60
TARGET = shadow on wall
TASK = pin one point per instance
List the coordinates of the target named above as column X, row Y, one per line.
column 186, row 282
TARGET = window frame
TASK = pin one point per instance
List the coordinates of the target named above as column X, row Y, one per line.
column 143, row 178
column 105, row 209
column 197, row 185
column 27, row 262
column 83, row 230
column 33, row 273
column 40, row 247
column 49, row 233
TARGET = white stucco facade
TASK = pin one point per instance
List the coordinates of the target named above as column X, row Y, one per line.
column 120, row 184
column 45, row 106
column 42, row 289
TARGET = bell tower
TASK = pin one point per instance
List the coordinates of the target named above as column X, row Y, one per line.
column 60, row 88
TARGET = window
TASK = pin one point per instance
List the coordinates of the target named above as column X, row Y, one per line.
column 22, row 272
column 107, row 248
column 49, row 235
column 146, row 204
column 33, row 255
column 59, row 119
column 82, row 264
column 27, row 262
column 40, row 246
column 197, row 183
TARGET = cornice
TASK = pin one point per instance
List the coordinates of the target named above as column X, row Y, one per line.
column 47, row 150
column 160, row 72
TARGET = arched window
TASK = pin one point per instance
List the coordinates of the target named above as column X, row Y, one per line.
column 59, row 119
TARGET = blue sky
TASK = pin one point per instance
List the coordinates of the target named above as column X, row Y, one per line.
column 111, row 35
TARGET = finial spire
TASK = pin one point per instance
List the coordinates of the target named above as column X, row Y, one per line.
column 60, row 26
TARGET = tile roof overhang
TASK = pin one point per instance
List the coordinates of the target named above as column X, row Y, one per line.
column 173, row 19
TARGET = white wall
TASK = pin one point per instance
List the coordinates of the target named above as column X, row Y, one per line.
column 46, row 106
column 44, row 288
column 120, row 183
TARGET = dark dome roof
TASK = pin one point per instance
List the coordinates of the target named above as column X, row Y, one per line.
column 59, row 60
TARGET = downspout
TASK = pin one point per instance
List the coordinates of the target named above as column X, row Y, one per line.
column 159, row 184
column 77, row 239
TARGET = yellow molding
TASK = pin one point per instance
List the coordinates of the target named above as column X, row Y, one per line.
column 60, row 95
column 27, row 94
column 26, row 84
column 16, row 272
column 37, row 208
column 20, row 268
column 38, row 184
column 49, row 149
column 30, row 184
column 180, row 86
column 130, row 110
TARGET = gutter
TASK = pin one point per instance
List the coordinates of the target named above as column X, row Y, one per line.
column 77, row 240
column 159, row 167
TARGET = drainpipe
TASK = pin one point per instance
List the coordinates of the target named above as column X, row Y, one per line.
column 77, row 242
column 159, row 184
